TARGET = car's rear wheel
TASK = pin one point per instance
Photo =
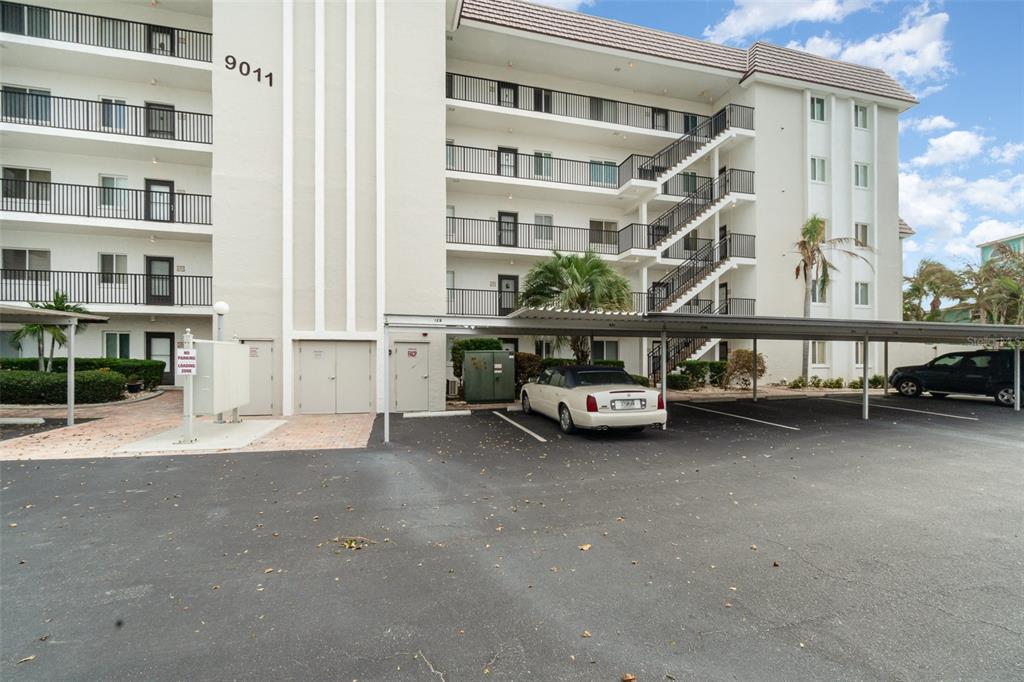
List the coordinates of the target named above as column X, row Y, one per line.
column 909, row 388
column 526, row 404
column 1004, row 396
column 938, row 395
column 565, row 420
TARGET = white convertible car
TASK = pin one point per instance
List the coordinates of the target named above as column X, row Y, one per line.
column 593, row 397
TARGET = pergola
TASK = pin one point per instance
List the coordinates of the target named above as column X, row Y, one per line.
column 557, row 322
column 16, row 314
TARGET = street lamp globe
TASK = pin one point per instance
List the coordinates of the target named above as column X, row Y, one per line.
column 221, row 308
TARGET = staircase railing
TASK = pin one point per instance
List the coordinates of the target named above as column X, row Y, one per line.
column 707, row 192
column 731, row 116
column 691, row 271
column 682, row 349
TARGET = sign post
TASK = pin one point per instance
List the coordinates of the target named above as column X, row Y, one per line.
column 185, row 365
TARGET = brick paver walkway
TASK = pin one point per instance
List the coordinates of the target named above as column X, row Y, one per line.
column 119, row 425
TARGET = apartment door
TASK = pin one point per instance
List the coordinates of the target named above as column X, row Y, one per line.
column 508, row 228
column 412, row 375
column 160, row 40
column 159, row 200
column 159, row 120
column 160, row 346
column 659, row 119
column 159, row 280
column 354, row 390
column 723, row 243
column 507, row 161
column 261, row 377
column 508, row 293
column 317, row 392
column 723, row 297
column 508, row 95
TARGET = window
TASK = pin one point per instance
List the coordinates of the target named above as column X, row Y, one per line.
column 603, row 110
column 858, row 353
column 817, row 169
column 817, row 294
column 605, row 350
column 116, row 344
column 8, row 349
column 115, row 191
column 604, row 232
column 860, row 175
column 862, row 294
column 689, row 181
column 32, row 104
column 659, row 119
column 817, row 108
column 26, row 183
column 112, row 265
column 542, row 100
column 947, row 361
column 819, row 353
column 690, row 121
column 112, row 113
column 860, row 234
column 542, row 227
column 544, row 349
column 860, row 116
column 449, row 149
column 26, row 264
column 542, row 164
column 604, row 173
column 449, row 279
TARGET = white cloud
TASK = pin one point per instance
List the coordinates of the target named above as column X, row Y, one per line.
column 824, row 45
column 565, row 4
column 910, row 246
column 1008, row 153
column 928, row 124
column 935, row 203
column 956, row 146
column 999, row 194
column 986, row 231
column 755, row 17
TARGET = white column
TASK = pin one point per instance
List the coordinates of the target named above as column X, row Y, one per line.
column 319, row 163
column 885, row 375
column 664, row 373
column 386, row 352
column 380, row 141
column 754, row 372
column 864, row 376
column 644, row 342
column 642, row 213
column 350, row 166
column 70, row 330
column 287, row 200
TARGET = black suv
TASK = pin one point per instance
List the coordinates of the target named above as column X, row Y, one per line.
column 980, row 372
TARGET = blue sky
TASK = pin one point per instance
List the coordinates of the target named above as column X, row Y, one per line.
column 961, row 148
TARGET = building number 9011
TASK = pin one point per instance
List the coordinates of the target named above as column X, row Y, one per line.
column 245, row 69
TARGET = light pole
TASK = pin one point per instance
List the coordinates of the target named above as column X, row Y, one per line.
column 221, row 308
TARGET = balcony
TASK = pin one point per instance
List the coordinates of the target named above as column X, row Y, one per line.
column 534, row 99
column 67, row 113
column 115, row 203
column 99, row 288
column 679, row 286
column 105, row 32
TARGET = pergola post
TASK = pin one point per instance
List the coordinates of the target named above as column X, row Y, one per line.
column 71, row 327
column 864, row 377
column 387, row 386
column 885, row 375
column 664, row 372
column 754, row 372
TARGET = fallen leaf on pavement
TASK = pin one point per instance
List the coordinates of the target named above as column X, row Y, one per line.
column 268, row 570
column 26, row 659
column 629, row 677
column 753, row 547
column 586, row 633
column 775, row 564
column 584, row 548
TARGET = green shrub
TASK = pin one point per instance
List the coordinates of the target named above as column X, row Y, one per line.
column 610, row 363
column 641, row 379
column 876, row 381
column 150, row 372
column 555, row 362
column 696, row 372
column 832, row 383
column 800, row 382
column 814, row 381
column 527, row 365
column 460, row 347
column 679, row 382
column 857, row 383
column 742, row 366
column 24, row 387
column 716, row 372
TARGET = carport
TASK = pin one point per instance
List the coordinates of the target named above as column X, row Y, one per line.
column 15, row 314
column 557, row 322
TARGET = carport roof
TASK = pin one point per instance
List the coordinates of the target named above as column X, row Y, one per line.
column 553, row 321
column 17, row 314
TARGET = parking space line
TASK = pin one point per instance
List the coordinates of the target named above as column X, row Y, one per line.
column 905, row 409
column 738, row 416
column 520, row 426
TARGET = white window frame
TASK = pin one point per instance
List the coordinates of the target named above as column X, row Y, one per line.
column 866, row 229
column 819, row 353
column 860, row 168
column 824, row 114
column 858, row 110
column 607, row 226
column 29, row 252
column 543, row 164
column 544, row 231
column 449, row 279
column 866, row 288
column 118, row 334
column 29, row 90
column 858, row 354
column 118, row 110
column 120, row 264
column 819, row 163
column 120, row 198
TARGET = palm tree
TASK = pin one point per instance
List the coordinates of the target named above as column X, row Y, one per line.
column 933, row 279
column 39, row 331
column 815, row 266
column 576, row 282
column 996, row 286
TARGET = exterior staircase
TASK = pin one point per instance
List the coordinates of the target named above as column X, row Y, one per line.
column 682, row 349
column 679, row 286
column 680, row 154
column 704, row 201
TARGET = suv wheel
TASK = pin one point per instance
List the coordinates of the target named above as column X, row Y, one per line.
column 526, row 403
column 909, row 388
column 1005, row 396
column 565, row 419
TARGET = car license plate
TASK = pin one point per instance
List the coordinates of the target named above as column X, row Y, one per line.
column 636, row 404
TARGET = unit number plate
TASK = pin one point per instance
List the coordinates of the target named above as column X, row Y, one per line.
column 636, row 404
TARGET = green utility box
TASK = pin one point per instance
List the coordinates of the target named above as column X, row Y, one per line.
column 489, row 376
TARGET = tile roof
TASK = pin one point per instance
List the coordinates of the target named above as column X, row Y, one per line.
column 760, row 58
column 905, row 229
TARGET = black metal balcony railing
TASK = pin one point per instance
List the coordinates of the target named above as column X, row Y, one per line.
column 707, row 192
column 108, row 32
column 88, row 201
column 679, row 350
column 512, row 164
column 694, row 270
column 586, row 107
column 39, row 286
column 731, row 116
column 105, row 117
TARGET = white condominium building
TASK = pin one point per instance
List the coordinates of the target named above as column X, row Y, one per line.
column 418, row 158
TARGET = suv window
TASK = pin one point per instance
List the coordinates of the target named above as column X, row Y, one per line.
column 951, row 360
column 980, row 361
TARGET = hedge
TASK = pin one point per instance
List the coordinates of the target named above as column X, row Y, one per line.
column 641, row 379
column 610, row 363
column 23, row 387
column 150, row 372
column 679, row 382
column 527, row 366
column 460, row 347
column 562, row 362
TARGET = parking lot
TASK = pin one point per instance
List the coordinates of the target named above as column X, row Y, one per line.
column 785, row 539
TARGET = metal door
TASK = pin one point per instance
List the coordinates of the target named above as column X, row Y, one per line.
column 412, row 374
column 508, row 293
column 160, row 346
column 508, row 228
column 508, row 161
column 159, row 120
column 159, row 280
column 354, row 390
column 508, row 95
column 261, row 378
column 160, row 200
column 160, row 40
column 317, row 377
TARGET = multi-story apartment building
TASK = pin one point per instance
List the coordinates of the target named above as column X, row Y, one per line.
column 418, row 158
column 107, row 150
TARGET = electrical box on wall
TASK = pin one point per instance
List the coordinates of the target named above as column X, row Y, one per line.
column 222, row 377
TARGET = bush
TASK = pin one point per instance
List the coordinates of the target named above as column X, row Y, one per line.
column 641, row 379
column 24, row 387
column 815, row 381
column 527, row 365
column 800, row 382
column 742, row 366
column 150, row 372
column 460, row 347
column 610, row 363
column 857, row 383
column 876, row 381
column 716, row 372
column 696, row 373
column 832, row 383
column 555, row 362
column 679, row 382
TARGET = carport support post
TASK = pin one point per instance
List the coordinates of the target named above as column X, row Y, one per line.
column 71, row 328
column 387, row 386
column 864, row 378
column 664, row 373
column 1016, row 377
column 885, row 376
column 754, row 371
